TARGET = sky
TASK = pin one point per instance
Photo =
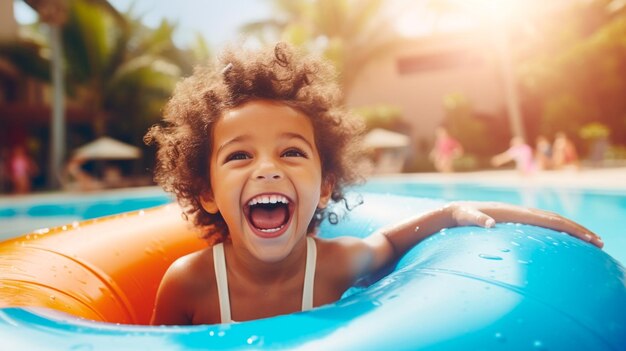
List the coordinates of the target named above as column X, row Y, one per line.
column 217, row 20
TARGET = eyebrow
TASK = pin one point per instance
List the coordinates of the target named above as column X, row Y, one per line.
column 241, row 138
column 289, row 135
column 232, row 141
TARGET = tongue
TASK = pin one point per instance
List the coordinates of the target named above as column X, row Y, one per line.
column 268, row 217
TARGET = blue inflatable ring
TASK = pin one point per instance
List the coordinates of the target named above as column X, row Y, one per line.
column 512, row 287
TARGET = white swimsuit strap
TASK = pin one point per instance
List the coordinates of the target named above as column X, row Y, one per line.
column 221, row 278
column 219, row 262
column 309, row 274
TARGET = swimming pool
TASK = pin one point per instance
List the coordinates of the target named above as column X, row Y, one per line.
column 600, row 210
column 19, row 215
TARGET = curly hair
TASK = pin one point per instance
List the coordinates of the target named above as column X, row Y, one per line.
column 302, row 82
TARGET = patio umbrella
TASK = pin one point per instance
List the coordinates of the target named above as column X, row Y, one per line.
column 105, row 148
column 382, row 138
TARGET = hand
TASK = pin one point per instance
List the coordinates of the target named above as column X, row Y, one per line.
column 486, row 214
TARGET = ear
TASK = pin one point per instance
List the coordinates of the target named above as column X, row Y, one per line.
column 326, row 192
column 208, row 202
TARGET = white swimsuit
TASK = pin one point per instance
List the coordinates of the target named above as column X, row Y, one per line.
column 219, row 262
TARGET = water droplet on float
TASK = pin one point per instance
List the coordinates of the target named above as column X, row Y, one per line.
column 538, row 344
column 42, row 231
column 82, row 347
column 535, row 239
column 52, row 297
column 505, row 250
column 490, row 257
column 499, row 337
column 254, row 340
column 392, row 297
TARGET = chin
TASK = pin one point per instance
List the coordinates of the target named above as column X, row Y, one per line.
column 272, row 250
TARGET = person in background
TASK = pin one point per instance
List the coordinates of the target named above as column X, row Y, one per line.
column 76, row 177
column 520, row 152
column 21, row 169
column 543, row 153
column 445, row 151
column 564, row 154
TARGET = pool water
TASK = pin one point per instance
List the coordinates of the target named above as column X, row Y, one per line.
column 599, row 210
column 23, row 215
column 602, row 211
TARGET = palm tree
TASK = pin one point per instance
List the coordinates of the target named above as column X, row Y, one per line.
column 350, row 33
column 115, row 68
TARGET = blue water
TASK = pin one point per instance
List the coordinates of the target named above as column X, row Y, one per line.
column 601, row 211
column 23, row 215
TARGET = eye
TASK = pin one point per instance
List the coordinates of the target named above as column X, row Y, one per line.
column 236, row 156
column 294, row 152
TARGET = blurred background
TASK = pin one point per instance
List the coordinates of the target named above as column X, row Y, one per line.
column 82, row 80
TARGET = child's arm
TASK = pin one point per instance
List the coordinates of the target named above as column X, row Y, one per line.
column 390, row 243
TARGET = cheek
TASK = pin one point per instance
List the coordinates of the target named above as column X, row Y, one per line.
column 226, row 190
column 311, row 190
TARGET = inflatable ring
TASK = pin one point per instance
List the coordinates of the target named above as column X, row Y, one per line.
column 91, row 286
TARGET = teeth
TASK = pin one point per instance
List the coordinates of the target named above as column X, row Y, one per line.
column 272, row 230
column 268, row 199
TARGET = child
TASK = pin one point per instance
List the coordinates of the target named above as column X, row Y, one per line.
column 445, row 151
column 543, row 153
column 520, row 152
column 564, row 152
column 254, row 150
column 21, row 169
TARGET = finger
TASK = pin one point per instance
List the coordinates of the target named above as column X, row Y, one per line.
column 574, row 229
column 592, row 238
column 597, row 241
column 471, row 216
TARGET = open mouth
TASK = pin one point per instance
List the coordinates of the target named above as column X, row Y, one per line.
column 269, row 214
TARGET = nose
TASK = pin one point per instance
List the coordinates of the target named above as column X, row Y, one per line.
column 267, row 170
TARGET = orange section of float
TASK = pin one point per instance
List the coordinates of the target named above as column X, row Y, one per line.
column 106, row 272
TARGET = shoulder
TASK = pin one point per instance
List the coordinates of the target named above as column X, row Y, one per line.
column 183, row 285
column 343, row 258
column 190, row 270
column 189, row 274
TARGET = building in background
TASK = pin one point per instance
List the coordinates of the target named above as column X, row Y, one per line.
column 418, row 77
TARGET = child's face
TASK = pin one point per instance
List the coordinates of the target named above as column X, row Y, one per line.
column 266, row 177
